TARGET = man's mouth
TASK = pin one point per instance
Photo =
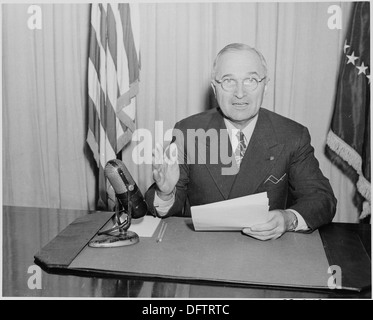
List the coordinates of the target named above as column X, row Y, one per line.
column 240, row 104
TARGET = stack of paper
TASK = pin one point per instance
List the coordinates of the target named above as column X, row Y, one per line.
column 233, row 214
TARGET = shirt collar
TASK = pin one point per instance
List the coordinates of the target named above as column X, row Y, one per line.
column 247, row 131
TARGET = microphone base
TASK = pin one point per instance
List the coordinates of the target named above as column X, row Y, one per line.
column 122, row 239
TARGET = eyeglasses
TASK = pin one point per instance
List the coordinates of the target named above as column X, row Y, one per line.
column 230, row 85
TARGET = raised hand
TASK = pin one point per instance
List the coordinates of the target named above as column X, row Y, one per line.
column 166, row 170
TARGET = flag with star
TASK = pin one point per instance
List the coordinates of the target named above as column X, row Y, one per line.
column 348, row 140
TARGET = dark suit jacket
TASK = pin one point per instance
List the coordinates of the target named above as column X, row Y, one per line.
column 279, row 147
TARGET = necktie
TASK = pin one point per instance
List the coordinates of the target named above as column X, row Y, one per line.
column 241, row 148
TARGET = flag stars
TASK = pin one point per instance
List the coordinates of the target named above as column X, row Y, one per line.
column 351, row 58
column 362, row 68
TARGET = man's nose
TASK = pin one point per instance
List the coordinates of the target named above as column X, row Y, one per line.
column 240, row 91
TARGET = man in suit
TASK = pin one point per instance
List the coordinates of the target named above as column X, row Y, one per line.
column 270, row 153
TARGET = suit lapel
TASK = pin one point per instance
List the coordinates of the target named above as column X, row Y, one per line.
column 223, row 182
column 259, row 158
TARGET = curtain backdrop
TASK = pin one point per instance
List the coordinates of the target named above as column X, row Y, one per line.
column 45, row 159
column 44, row 108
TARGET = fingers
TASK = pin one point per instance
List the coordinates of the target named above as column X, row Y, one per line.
column 157, row 176
column 272, row 229
column 268, row 226
column 157, row 162
column 157, row 155
column 263, row 235
column 168, row 156
column 165, row 167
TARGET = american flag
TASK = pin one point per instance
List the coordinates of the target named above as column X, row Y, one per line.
column 348, row 141
column 113, row 80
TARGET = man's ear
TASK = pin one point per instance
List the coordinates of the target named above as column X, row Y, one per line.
column 266, row 86
column 213, row 87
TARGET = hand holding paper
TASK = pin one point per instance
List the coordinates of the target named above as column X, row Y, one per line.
column 233, row 214
column 274, row 228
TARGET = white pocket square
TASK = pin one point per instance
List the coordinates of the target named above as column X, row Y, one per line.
column 274, row 180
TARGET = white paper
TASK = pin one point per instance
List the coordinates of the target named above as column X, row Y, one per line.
column 233, row 214
column 145, row 226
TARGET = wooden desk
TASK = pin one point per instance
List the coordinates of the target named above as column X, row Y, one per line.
column 27, row 230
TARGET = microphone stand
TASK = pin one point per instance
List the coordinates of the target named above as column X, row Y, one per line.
column 118, row 235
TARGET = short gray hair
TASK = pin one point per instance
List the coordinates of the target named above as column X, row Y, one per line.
column 238, row 47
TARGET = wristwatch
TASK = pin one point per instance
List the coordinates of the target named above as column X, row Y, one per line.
column 294, row 224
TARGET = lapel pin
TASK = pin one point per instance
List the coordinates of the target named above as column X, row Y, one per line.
column 271, row 158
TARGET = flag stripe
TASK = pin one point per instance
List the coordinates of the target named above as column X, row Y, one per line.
column 129, row 43
column 102, row 42
column 94, row 89
column 93, row 126
column 112, row 35
column 108, row 118
column 106, row 113
column 122, row 62
column 106, row 150
column 101, row 24
column 126, row 120
column 135, row 24
column 94, row 51
column 92, row 142
column 125, row 99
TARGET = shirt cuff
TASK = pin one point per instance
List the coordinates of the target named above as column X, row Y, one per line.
column 302, row 225
column 163, row 206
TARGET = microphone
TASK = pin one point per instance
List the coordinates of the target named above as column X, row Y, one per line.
column 125, row 188
column 132, row 205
